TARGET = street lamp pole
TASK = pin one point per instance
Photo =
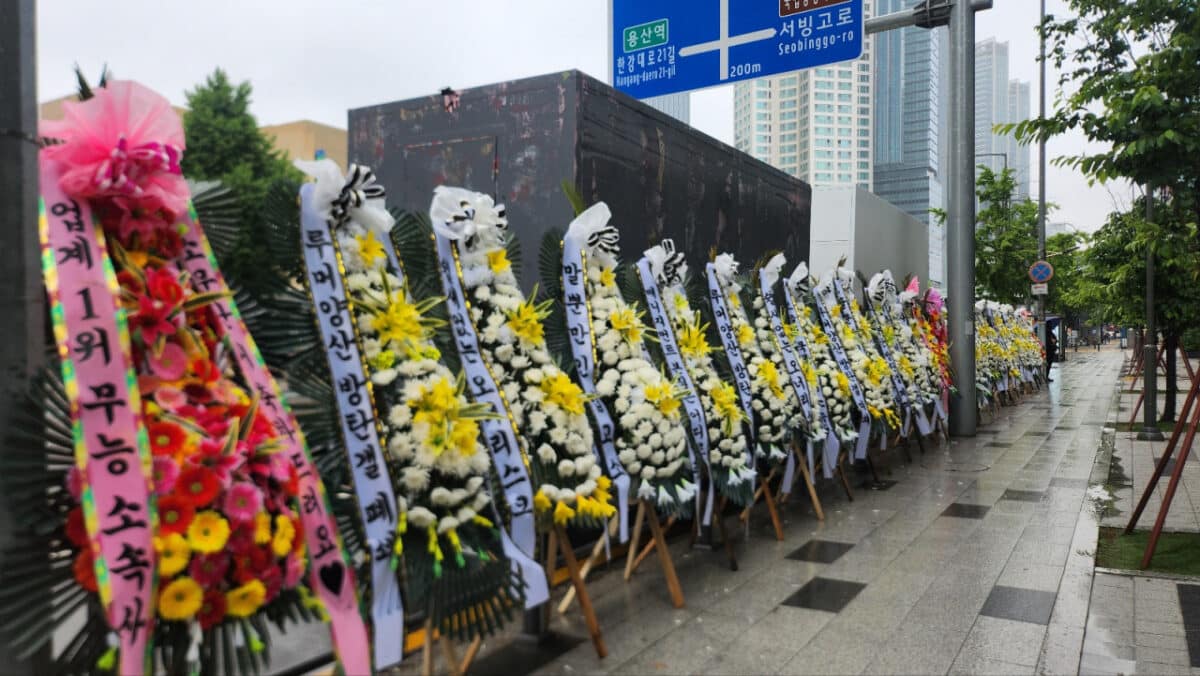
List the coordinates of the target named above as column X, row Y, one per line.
column 1041, row 223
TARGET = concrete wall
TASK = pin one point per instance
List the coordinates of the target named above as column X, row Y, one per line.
column 872, row 234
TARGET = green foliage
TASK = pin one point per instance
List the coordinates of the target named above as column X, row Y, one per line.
column 1114, row 288
column 1005, row 238
column 1132, row 68
column 224, row 143
column 1065, row 252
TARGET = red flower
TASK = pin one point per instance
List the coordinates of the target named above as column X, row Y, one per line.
column 175, row 514
column 84, row 569
column 198, row 485
column 130, row 282
column 208, row 570
column 241, row 540
column 272, row 579
column 252, row 565
column 204, row 370
column 212, row 610
column 76, row 531
column 163, row 286
column 153, row 318
column 166, row 438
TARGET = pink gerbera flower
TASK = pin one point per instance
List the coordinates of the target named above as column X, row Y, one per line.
column 242, row 502
column 293, row 571
column 170, row 364
column 166, row 474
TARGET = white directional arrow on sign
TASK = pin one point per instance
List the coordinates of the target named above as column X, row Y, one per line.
column 725, row 41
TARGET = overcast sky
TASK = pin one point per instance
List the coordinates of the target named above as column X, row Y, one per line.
column 310, row 59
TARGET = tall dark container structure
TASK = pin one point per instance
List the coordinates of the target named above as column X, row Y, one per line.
column 520, row 140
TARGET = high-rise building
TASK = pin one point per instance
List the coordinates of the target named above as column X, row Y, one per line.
column 678, row 106
column 999, row 100
column 814, row 124
column 991, row 104
column 1018, row 154
column 910, row 103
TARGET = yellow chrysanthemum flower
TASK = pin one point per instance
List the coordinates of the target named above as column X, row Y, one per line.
column 836, row 310
column 370, row 249
column 262, row 528
column 563, row 513
column 285, row 532
column 790, row 331
column 399, row 323
column 809, row 374
column 245, row 600
column 607, row 277
column 208, row 532
column 843, row 384
column 541, row 503
column 662, row 396
column 745, row 334
column 692, row 342
column 181, row 599
column 464, row 436
column 626, row 322
column 560, row 391
column 173, row 554
column 498, row 261
column 526, row 322
column 725, row 401
column 769, row 375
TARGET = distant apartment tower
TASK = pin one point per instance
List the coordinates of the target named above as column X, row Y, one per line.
column 678, row 106
column 910, row 103
column 814, row 124
column 991, row 103
column 1018, row 154
column 998, row 100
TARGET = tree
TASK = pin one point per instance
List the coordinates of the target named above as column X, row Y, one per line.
column 1065, row 252
column 1115, row 284
column 224, row 143
column 1005, row 238
column 1133, row 83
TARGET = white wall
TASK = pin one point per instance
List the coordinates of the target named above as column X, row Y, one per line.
column 872, row 234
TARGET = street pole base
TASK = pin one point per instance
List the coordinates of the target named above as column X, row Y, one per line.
column 1150, row 434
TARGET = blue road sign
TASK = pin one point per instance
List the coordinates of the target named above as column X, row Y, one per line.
column 1041, row 272
column 667, row 46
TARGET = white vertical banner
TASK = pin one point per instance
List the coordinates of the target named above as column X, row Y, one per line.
column 499, row 433
column 356, row 413
column 697, row 424
column 583, row 349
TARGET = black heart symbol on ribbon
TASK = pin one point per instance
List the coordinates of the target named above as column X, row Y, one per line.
column 332, row 575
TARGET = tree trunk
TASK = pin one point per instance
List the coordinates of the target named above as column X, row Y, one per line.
column 1171, row 347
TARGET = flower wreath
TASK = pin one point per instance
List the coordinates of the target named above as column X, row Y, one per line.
column 776, row 409
column 929, row 314
column 439, row 467
column 650, row 438
column 822, row 372
column 857, row 337
column 727, row 457
column 222, row 485
column 546, row 405
column 915, row 359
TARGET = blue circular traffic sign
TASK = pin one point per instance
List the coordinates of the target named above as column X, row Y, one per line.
column 1041, row 272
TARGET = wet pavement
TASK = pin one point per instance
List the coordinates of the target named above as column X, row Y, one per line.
column 978, row 559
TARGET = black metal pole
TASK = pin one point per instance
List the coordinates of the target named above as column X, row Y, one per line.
column 1150, row 431
column 22, row 301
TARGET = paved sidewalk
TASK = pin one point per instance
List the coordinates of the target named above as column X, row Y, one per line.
column 976, row 560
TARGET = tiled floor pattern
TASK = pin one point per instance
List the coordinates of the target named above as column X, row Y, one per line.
column 970, row 563
column 1160, row 636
